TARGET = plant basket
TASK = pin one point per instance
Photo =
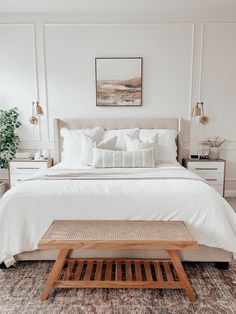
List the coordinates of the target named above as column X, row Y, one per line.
column 2, row 188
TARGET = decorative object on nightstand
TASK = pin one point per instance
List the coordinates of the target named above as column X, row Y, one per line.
column 214, row 147
column 212, row 171
column 198, row 111
column 20, row 170
column 36, row 112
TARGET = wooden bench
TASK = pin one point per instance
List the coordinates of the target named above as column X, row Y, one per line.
column 117, row 273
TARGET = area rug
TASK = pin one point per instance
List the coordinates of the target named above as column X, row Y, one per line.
column 21, row 286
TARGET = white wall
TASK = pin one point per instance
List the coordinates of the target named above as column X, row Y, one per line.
column 53, row 58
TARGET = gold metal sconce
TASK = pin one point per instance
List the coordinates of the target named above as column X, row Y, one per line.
column 198, row 110
column 36, row 111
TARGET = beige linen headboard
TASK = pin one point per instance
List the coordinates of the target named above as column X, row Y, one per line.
column 115, row 123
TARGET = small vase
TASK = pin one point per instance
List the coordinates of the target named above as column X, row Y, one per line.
column 214, row 153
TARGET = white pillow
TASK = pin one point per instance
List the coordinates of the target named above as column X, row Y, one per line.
column 72, row 146
column 149, row 142
column 88, row 143
column 103, row 158
column 110, row 143
column 120, row 144
column 167, row 149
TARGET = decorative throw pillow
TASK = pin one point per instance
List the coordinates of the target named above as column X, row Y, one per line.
column 120, row 133
column 72, row 143
column 88, row 143
column 136, row 144
column 167, row 148
column 110, row 143
column 103, row 158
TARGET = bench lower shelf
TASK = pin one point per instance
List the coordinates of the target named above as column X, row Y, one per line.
column 118, row 273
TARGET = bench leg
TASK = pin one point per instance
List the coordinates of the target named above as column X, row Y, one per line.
column 181, row 273
column 55, row 273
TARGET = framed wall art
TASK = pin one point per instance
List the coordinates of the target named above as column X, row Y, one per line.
column 118, row 81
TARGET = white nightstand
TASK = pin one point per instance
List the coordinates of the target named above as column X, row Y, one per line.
column 211, row 170
column 20, row 170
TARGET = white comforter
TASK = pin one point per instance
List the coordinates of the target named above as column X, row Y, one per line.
column 27, row 210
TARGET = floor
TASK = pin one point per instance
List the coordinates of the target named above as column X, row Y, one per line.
column 232, row 201
column 22, row 285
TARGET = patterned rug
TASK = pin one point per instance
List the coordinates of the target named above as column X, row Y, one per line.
column 21, row 286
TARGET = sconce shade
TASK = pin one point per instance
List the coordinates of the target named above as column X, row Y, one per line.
column 196, row 111
column 38, row 109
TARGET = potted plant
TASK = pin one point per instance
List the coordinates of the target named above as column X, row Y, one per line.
column 9, row 140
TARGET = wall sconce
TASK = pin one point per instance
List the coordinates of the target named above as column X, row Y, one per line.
column 198, row 110
column 36, row 111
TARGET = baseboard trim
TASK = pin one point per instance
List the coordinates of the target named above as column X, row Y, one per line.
column 230, row 193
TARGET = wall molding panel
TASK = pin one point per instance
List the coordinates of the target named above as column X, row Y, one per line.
column 76, row 28
column 18, row 54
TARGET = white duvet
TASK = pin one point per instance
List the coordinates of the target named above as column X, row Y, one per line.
column 27, row 210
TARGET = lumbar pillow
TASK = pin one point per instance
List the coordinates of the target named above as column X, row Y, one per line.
column 103, row 158
column 120, row 133
column 88, row 143
column 136, row 144
column 72, row 142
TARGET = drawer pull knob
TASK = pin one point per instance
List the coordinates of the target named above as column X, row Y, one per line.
column 23, row 168
column 19, row 180
column 211, row 179
column 206, row 168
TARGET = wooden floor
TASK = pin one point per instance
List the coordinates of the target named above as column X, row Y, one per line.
column 232, row 202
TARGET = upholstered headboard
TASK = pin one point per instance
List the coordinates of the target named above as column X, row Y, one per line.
column 115, row 123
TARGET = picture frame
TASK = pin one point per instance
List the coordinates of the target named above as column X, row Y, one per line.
column 119, row 81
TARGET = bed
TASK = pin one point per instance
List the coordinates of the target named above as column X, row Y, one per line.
column 168, row 192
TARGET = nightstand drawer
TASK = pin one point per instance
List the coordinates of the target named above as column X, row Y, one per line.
column 27, row 167
column 208, row 167
column 213, row 178
column 18, row 178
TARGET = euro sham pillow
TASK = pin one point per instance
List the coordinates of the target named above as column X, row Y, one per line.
column 72, row 142
column 88, row 143
column 167, row 148
column 120, row 134
column 143, row 158
column 149, row 142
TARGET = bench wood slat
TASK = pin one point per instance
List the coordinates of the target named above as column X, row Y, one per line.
column 79, row 270
column 98, row 271
column 88, row 271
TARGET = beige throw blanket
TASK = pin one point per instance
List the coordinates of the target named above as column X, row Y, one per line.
column 117, row 174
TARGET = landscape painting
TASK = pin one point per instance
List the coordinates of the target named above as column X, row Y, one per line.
column 119, row 81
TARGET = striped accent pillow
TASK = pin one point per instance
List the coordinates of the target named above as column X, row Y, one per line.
column 104, row 158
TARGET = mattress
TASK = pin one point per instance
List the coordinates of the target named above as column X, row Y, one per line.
column 169, row 192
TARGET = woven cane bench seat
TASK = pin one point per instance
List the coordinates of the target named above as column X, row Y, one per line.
column 110, row 234
column 117, row 273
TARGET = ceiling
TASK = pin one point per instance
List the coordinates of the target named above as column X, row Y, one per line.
column 165, row 8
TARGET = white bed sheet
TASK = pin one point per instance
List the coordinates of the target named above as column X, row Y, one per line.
column 27, row 210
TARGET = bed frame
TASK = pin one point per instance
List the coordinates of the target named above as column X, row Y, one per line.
column 204, row 254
